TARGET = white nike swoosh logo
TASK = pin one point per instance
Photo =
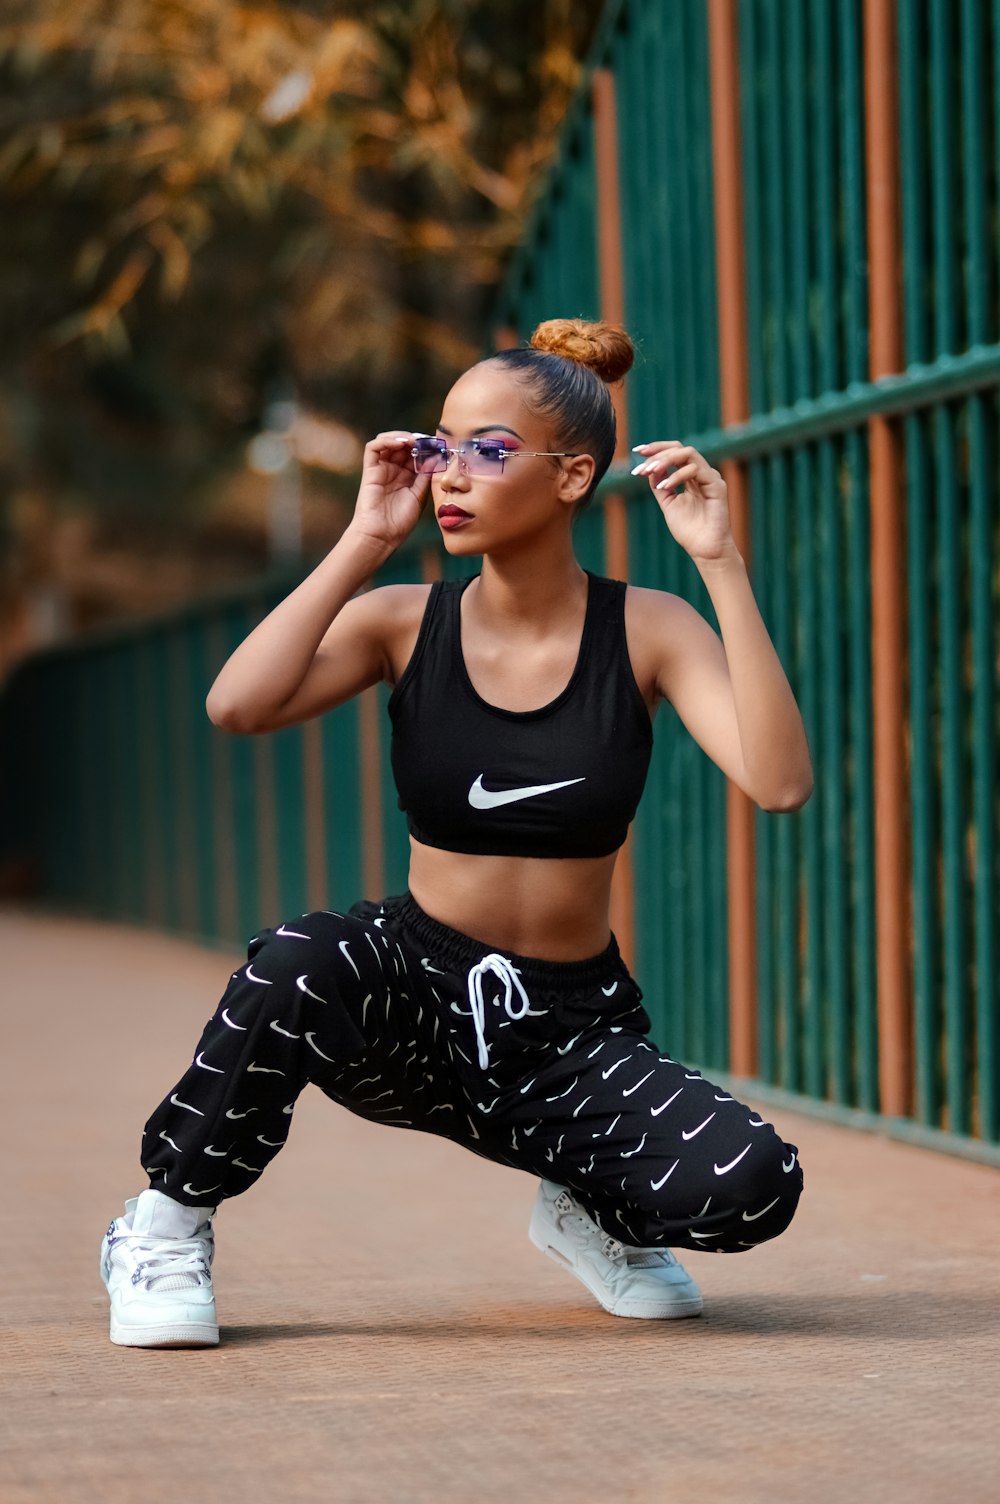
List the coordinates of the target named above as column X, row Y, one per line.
column 279, row 1030
column 292, row 934
column 170, row 1141
column 630, row 1152
column 609, row 990
column 264, row 1070
column 192, row 1192
column 244, row 1166
column 721, row 1169
column 178, row 1103
column 564, row 1049
column 300, row 983
column 637, row 1085
column 607, row 1073
column 232, row 1114
column 655, row 1111
column 251, row 978
column 752, row 1216
column 347, row 956
column 272, row 1143
column 790, row 1165
column 309, row 1041
column 686, row 1135
column 227, row 1020
column 216, row 1153
column 560, row 1094
column 657, row 1183
column 481, row 798
column 217, row 1068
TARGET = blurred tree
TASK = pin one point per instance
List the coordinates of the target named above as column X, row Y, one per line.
column 199, row 196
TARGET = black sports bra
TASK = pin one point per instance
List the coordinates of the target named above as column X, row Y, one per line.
column 560, row 781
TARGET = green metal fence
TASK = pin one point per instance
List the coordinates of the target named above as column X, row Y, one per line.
column 134, row 807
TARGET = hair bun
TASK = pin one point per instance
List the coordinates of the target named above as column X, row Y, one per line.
column 605, row 349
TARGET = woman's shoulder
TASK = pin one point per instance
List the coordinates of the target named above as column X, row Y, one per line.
column 648, row 608
column 399, row 611
column 658, row 625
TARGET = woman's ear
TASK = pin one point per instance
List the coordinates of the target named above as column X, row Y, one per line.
column 575, row 480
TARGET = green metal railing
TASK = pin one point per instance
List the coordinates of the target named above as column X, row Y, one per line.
column 143, row 811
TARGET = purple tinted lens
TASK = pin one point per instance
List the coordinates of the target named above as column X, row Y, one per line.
column 490, row 451
column 430, row 455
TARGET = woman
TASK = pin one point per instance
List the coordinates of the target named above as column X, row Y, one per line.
column 490, row 1003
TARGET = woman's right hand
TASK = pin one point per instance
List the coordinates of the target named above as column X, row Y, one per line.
column 392, row 495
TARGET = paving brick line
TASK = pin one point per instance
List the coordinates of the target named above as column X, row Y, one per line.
column 389, row 1336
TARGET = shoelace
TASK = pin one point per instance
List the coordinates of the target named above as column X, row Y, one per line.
column 502, row 968
column 635, row 1258
column 185, row 1257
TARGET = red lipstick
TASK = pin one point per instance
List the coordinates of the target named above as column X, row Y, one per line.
column 450, row 516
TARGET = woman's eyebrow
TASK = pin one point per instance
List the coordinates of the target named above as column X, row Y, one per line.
column 488, row 428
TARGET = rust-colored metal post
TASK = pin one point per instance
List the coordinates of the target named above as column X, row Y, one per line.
column 892, row 877
column 612, row 297
column 505, row 338
column 735, row 396
column 370, row 771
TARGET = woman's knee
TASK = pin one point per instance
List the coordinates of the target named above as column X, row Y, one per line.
column 765, row 1192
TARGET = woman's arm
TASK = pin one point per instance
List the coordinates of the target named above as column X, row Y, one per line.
column 732, row 695
column 319, row 647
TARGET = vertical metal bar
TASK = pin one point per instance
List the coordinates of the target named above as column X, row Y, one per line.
column 808, row 689
column 888, row 589
column 762, row 477
column 912, row 68
column 982, row 466
column 706, row 393
column 745, row 129
column 862, row 785
column 854, row 270
column 983, row 420
column 785, row 836
column 611, row 278
column 775, row 330
column 798, row 75
column 735, row 407
column 828, row 742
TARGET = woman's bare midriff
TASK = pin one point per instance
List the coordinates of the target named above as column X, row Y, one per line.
column 552, row 909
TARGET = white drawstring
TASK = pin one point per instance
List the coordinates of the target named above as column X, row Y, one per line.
column 502, row 968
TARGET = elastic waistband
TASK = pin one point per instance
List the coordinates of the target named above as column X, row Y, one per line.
column 463, row 952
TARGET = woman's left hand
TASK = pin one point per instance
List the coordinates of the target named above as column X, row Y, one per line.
column 698, row 517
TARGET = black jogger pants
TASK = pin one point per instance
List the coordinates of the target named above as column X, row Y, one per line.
column 543, row 1066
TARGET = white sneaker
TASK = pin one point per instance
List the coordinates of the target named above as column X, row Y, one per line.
column 156, row 1262
column 644, row 1282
